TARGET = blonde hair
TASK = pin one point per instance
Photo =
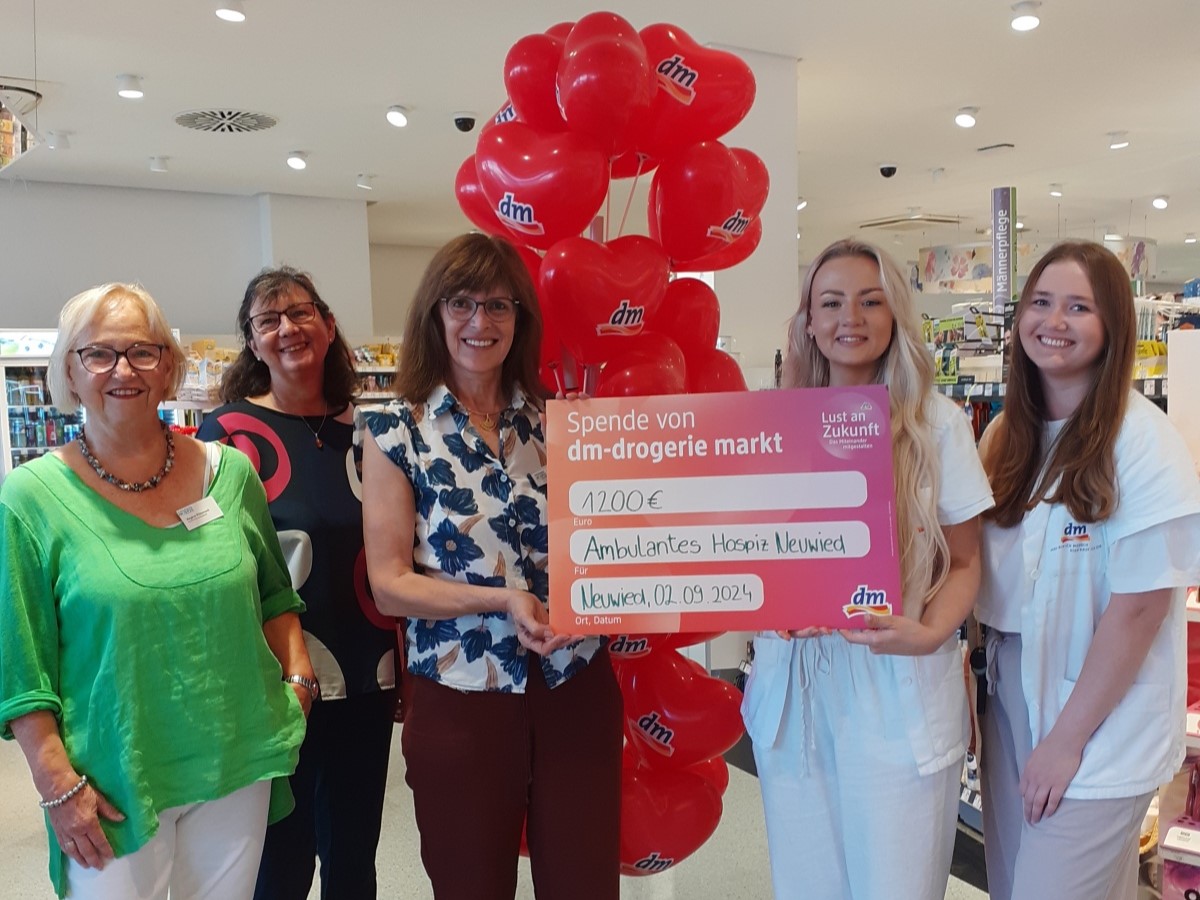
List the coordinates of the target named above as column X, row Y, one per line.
column 906, row 367
column 84, row 310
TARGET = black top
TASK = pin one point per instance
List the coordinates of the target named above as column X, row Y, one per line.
column 315, row 497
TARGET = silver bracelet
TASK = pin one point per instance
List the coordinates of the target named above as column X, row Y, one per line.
column 59, row 801
column 311, row 685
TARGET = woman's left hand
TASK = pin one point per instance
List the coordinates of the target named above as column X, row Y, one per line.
column 896, row 635
column 304, row 696
column 1048, row 773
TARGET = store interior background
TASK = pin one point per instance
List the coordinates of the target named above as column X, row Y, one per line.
column 843, row 88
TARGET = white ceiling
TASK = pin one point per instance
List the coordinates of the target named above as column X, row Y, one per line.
column 880, row 81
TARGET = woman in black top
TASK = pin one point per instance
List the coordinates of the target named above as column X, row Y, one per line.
column 288, row 407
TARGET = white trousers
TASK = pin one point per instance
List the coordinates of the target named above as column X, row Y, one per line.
column 849, row 817
column 1087, row 850
column 203, row 851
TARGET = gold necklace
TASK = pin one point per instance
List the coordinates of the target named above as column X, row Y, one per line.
column 486, row 421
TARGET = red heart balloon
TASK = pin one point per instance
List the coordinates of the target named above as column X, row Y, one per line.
column 624, row 647
column 702, row 93
column 705, row 198
column 530, row 72
column 472, row 201
column 561, row 31
column 543, row 187
column 647, row 365
column 712, row 371
column 689, row 314
column 604, row 80
column 666, row 815
column 727, row 256
column 599, row 294
column 675, row 714
column 715, row 771
column 505, row 113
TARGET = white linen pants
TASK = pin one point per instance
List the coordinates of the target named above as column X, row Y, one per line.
column 849, row 817
column 1087, row 850
column 202, row 851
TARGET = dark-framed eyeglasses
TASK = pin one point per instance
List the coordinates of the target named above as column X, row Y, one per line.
column 100, row 360
column 498, row 309
column 298, row 313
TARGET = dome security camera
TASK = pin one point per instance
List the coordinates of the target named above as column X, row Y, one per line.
column 464, row 121
column 887, row 170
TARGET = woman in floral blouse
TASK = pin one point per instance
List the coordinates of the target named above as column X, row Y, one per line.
column 511, row 725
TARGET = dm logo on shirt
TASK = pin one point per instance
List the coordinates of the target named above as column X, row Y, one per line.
column 1075, row 533
column 865, row 600
column 658, row 736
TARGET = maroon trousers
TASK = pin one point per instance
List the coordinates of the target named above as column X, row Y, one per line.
column 482, row 764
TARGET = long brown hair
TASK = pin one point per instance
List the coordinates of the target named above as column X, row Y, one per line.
column 906, row 367
column 1080, row 472
column 470, row 262
column 250, row 377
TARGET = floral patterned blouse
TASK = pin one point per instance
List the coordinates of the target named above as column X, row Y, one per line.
column 480, row 519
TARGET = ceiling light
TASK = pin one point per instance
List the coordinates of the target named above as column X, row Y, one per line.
column 1118, row 140
column 1025, row 17
column 1110, row 235
column 1160, row 202
column 364, row 182
column 58, row 140
column 1020, row 225
column 800, row 204
column 298, row 160
column 231, row 10
column 129, row 87
column 1191, row 238
column 1056, row 190
column 398, row 116
column 966, row 117
column 158, row 164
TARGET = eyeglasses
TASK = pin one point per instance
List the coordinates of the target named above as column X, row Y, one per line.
column 298, row 313
column 498, row 309
column 100, row 360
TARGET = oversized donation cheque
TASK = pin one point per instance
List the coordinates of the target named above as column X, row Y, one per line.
column 721, row 512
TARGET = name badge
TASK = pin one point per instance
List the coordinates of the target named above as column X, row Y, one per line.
column 199, row 513
column 538, row 478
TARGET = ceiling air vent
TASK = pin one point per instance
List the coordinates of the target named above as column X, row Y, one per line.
column 911, row 222
column 225, row 121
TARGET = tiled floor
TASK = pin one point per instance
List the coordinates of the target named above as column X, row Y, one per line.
column 731, row 866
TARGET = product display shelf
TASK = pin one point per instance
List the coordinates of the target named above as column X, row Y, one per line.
column 1154, row 388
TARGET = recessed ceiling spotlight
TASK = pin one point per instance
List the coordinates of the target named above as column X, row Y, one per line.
column 58, row 140
column 1025, row 17
column 1056, row 190
column 298, row 160
column 1110, row 234
column 800, row 204
column 1160, row 202
column 158, row 163
column 130, row 87
column 364, row 182
column 1020, row 225
column 398, row 116
column 1118, row 140
column 966, row 117
column 231, row 10
column 1191, row 238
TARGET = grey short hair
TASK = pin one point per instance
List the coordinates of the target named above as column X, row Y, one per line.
column 82, row 311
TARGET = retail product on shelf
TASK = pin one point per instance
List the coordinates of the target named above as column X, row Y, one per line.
column 206, row 364
column 30, row 424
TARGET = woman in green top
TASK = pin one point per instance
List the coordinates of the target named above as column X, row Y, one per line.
column 152, row 666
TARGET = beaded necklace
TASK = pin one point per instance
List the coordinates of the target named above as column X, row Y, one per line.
column 136, row 486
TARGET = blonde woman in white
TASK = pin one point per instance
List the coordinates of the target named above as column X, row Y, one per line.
column 859, row 735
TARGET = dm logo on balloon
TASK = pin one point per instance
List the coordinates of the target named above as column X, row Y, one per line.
column 677, row 79
column 732, row 228
column 625, row 319
column 518, row 216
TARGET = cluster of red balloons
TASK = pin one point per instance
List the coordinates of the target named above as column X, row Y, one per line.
column 679, row 722
column 597, row 100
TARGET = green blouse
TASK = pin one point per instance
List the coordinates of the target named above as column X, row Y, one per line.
column 146, row 643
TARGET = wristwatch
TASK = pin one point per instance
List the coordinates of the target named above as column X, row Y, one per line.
column 314, row 689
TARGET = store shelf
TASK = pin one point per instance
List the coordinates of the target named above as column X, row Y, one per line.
column 186, row 404
column 984, row 390
column 375, row 370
